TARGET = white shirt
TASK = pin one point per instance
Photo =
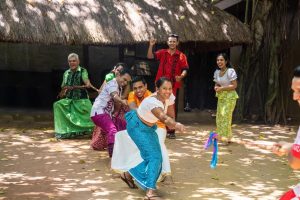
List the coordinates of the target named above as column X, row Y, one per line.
column 151, row 102
column 297, row 140
column 104, row 102
column 225, row 80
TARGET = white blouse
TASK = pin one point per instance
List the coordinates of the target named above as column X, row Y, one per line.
column 225, row 80
column 297, row 140
column 104, row 98
column 151, row 102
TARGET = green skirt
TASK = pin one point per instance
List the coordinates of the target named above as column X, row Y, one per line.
column 225, row 108
column 72, row 118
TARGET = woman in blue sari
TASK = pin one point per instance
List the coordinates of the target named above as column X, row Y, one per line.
column 141, row 126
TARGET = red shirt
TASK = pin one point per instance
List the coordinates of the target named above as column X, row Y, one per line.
column 170, row 65
column 296, row 150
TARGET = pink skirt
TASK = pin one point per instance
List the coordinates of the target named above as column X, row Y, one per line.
column 99, row 137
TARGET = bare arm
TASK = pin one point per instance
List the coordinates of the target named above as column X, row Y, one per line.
column 132, row 106
column 294, row 161
column 150, row 54
column 284, row 148
column 171, row 111
column 182, row 75
column 74, row 87
column 88, row 84
column 230, row 87
column 126, row 92
column 159, row 113
column 118, row 99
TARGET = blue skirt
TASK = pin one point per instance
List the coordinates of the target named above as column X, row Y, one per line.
column 147, row 172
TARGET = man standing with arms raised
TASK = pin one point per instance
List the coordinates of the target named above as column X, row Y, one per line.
column 172, row 64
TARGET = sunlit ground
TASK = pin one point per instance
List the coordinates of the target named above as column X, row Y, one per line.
column 34, row 165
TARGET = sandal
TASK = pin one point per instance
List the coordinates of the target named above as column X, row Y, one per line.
column 154, row 197
column 128, row 181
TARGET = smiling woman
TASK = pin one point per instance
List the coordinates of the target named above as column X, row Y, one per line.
column 141, row 126
column 126, row 154
column 225, row 79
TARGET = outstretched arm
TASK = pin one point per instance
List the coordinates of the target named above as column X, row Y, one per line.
column 88, row 84
column 286, row 148
column 171, row 111
column 159, row 113
column 118, row 99
column 281, row 148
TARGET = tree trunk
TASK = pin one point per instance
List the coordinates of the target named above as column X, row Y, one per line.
column 260, row 86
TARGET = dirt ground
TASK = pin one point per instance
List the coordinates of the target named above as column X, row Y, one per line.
column 34, row 165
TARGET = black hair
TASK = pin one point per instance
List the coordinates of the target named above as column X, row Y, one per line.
column 226, row 58
column 125, row 71
column 137, row 79
column 174, row 36
column 297, row 72
column 161, row 81
column 119, row 64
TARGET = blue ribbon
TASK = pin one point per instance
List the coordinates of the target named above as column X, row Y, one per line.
column 213, row 140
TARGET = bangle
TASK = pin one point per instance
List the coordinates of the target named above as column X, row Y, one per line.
column 115, row 95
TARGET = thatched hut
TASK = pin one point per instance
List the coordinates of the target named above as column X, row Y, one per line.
column 116, row 22
column 103, row 32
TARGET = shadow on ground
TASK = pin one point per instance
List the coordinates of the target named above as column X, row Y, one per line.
column 34, row 165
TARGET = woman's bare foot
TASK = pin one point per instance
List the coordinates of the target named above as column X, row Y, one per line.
column 152, row 195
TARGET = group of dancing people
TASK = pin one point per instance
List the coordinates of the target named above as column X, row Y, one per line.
column 133, row 125
column 134, row 142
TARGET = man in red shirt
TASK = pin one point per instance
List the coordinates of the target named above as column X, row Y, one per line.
column 172, row 64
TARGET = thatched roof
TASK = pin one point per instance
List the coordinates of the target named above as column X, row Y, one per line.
column 117, row 22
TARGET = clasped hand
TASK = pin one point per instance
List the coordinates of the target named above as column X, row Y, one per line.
column 179, row 127
column 281, row 148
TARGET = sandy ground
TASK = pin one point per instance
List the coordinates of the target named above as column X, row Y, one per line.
column 33, row 165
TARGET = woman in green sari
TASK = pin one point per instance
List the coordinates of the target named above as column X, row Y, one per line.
column 72, row 112
column 225, row 79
